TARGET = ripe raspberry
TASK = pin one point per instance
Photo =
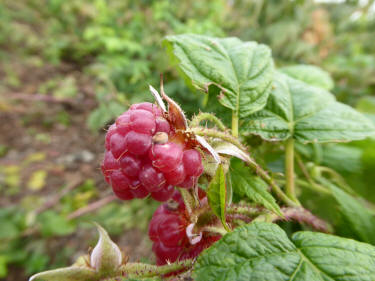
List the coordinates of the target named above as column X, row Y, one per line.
column 143, row 155
column 167, row 230
column 166, row 157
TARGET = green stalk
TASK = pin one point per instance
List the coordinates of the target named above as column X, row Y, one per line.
column 203, row 116
column 234, row 124
column 289, row 169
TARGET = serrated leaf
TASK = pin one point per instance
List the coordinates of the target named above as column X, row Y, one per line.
column 263, row 252
column 309, row 74
column 217, row 195
column 360, row 220
column 66, row 274
column 306, row 113
column 245, row 184
column 242, row 70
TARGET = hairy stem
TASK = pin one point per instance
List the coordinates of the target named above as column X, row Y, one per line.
column 289, row 169
column 217, row 134
column 148, row 270
column 234, row 124
column 204, row 116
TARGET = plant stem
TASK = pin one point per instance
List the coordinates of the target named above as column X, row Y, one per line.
column 289, row 169
column 282, row 196
column 217, row 134
column 202, row 116
column 148, row 270
column 234, row 124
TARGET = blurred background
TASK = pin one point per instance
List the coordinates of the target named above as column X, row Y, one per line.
column 68, row 67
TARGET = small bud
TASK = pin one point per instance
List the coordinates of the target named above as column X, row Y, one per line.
column 106, row 256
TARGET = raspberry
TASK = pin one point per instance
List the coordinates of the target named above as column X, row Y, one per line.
column 144, row 155
column 167, row 230
column 192, row 162
column 143, row 121
column 176, row 176
column 152, row 179
column 166, row 157
column 130, row 165
column 163, row 194
column 137, row 143
column 117, row 145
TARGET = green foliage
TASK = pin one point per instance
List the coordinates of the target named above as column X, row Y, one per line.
column 263, row 251
column 242, row 70
column 249, row 186
column 359, row 219
column 309, row 74
column 308, row 114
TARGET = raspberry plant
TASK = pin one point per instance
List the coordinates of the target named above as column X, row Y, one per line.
column 220, row 201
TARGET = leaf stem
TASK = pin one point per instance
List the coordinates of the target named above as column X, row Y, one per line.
column 289, row 169
column 202, row 116
column 235, row 124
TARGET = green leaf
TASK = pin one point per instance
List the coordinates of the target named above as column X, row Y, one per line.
column 242, row 70
column 263, row 252
column 360, row 220
column 307, row 113
column 217, row 194
column 309, row 74
column 66, row 274
column 245, row 184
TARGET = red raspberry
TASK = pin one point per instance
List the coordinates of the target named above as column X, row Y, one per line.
column 167, row 230
column 166, row 157
column 152, row 179
column 143, row 155
column 192, row 162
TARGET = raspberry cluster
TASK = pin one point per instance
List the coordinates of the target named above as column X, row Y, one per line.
column 144, row 155
column 167, row 230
